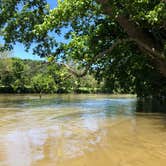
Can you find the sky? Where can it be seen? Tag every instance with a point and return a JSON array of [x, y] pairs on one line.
[[19, 50]]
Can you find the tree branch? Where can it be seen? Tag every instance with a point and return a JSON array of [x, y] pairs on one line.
[[143, 40], [100, 55]]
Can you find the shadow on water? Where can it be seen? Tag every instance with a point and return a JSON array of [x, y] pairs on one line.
[[151, 106]]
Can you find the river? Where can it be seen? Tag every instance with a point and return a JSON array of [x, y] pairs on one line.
[[79, 130]]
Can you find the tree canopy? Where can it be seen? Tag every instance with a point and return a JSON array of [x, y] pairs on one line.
[[122, 41]]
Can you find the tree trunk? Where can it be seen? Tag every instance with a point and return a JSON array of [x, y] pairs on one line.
[[143, 40]]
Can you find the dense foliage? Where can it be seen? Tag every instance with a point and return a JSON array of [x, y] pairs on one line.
[[28, 76], [122, 42]]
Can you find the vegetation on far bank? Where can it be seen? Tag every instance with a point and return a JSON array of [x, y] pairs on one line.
[[29, 76]]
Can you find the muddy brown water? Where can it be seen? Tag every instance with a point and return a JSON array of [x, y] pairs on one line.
[[79, 130]]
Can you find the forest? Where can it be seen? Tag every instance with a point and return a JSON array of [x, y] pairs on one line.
[[34, 76], [30, 76]]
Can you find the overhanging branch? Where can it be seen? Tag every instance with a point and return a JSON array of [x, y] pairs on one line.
[[144, 41], [100, 55]]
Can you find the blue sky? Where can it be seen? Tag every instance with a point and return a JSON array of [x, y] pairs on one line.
[[19, 50]]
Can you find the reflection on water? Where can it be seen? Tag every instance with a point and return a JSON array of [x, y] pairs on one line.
[[151, 105], [79, 130]]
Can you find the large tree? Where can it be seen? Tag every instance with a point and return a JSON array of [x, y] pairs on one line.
[[111, 23], [144, 21], [98, 33]]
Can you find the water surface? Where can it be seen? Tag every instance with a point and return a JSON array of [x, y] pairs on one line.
[[79, 130]]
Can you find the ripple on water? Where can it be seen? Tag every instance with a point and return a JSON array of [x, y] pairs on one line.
[[87, 131]]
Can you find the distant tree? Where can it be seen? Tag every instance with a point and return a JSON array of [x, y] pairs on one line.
[[43, 84], [6, 76], [19, 77]]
